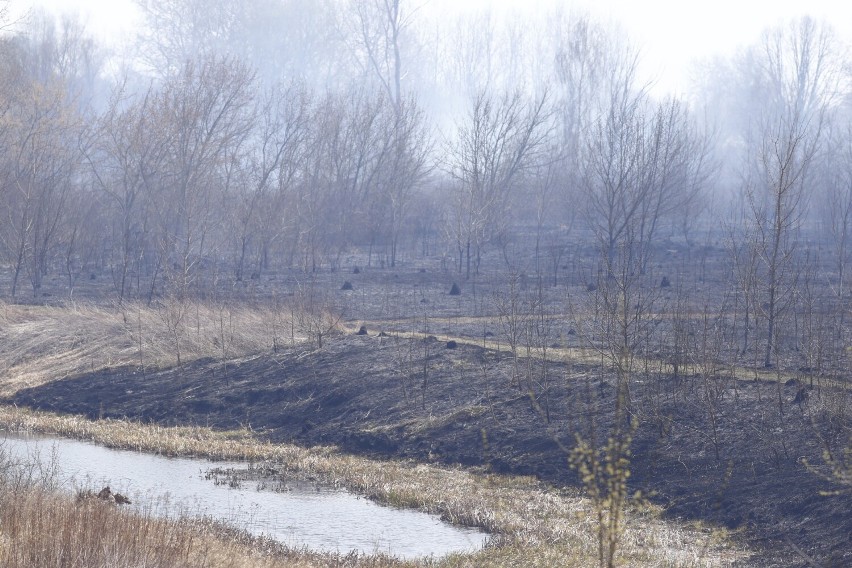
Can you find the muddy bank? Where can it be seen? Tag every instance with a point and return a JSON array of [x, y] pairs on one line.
[[417, 398]]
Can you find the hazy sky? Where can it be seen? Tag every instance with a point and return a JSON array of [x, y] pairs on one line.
[[674, 33], [671, 33]]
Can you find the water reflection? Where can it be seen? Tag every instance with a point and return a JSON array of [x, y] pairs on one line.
[[307, 514]]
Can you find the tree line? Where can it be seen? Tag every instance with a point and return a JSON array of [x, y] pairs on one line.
[[225, 147]]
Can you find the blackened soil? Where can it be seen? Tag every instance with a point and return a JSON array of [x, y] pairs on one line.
[[416, 398]]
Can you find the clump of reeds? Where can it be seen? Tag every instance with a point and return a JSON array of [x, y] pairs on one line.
[[42, 528]]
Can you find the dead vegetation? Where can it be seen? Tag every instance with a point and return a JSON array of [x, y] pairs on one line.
[[42, 529], [46, 343], [534, 524]]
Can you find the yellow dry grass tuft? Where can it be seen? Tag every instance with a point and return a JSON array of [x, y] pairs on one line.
[[42, 529]]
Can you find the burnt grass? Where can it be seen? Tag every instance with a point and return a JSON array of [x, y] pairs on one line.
[[394, 397], [728, 452]]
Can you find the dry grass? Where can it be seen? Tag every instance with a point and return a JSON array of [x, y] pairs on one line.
[[45, 343], [534, 525], [43, 529]]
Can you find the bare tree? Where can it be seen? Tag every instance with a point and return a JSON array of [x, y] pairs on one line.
[[483, 50], [407, 163], [126, 155], [546, 179], [332, 197], [744, 256], [494, 147], [470, 52], [282, 39], [615, 322], [178, 32], [797, 74], [585, 53], [380, 27], [39, 166], [207, 109], [48, 75], [265, 166], [641, 165], [836, 176], [80, 234]]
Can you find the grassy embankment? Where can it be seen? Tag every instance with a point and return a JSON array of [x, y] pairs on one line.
[[534, 525], [39, 344]]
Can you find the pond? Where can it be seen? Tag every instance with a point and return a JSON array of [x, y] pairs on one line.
[[303, 515]]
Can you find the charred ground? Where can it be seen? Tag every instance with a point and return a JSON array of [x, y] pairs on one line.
[[414, 397], [728, 445]]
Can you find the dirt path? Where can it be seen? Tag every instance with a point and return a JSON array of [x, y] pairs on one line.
[[589, 356]]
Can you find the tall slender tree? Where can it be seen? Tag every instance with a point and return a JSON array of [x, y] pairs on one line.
[[796, 71]]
